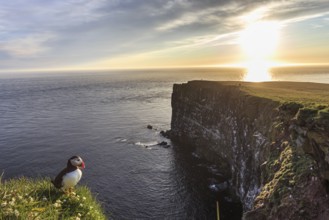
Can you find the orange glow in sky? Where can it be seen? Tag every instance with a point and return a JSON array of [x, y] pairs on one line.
[[156, 34]]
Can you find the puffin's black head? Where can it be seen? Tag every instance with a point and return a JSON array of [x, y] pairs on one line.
[[76, 161]]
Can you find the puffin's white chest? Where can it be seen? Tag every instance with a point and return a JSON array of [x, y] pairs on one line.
[[71, 179]]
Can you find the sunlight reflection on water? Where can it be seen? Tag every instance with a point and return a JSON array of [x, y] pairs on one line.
[[257, 72]]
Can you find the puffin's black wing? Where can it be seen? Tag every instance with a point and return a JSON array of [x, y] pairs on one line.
[[59, 178]]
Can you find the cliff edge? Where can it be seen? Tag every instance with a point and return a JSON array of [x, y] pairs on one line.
[[26, 199], [270, 139]]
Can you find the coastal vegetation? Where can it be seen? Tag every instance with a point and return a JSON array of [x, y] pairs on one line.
[[313, 95], [307, 101], [286, 172], [28, 199]]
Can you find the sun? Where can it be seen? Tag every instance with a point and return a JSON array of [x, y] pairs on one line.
[[259, 41]]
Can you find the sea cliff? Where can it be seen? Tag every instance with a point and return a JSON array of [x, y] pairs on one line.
[[271, 141]]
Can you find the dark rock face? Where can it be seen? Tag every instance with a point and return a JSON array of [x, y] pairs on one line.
[[163, 144], [275, 163]]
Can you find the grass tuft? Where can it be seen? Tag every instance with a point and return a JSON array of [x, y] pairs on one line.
[[31, 199]]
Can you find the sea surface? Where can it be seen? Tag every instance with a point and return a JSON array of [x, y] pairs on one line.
[[45, 118]]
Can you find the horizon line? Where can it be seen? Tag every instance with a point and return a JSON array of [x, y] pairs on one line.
[[233, 66]]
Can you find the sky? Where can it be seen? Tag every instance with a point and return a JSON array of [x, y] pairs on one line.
[[106, 34]]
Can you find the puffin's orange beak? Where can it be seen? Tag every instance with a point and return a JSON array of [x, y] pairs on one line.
[[83, 165]]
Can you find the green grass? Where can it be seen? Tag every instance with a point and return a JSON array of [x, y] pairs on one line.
[[307, 94], [32, 199], [284, 170], [308, 101]]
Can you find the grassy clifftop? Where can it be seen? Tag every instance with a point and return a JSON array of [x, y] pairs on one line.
[[305, 93], [27, 199], [308, 101], [300, 92]]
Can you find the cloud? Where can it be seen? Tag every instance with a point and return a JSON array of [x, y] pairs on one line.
[[26, 46], [77, 31], [296, 11], [224, 12], [189, 18]]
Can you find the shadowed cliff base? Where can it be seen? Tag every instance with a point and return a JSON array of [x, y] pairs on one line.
[[270, 139]]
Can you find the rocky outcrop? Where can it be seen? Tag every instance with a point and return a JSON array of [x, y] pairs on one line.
[[275, 154]]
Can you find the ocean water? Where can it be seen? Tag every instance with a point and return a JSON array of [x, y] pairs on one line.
[[45, 118]]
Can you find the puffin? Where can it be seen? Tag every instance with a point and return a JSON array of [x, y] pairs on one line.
[[71, 175]]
